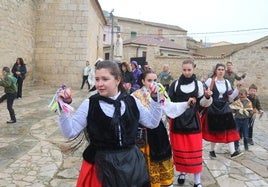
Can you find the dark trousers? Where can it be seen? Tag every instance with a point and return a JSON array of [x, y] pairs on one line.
[[19, 84], [83, 82], [250, 127], [10, 100], [242, 127]]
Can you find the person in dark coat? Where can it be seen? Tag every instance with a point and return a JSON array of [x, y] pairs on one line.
[[19, 71]]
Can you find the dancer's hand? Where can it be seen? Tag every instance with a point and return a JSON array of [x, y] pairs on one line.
[[65, 95], [191, 101], [208, 93]]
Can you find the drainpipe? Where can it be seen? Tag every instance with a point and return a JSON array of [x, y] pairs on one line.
[[112, 37], [137, 51]]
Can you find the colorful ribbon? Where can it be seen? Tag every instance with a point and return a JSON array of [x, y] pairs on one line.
[[58, 105]]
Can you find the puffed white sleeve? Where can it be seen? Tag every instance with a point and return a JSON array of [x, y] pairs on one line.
[[234, 93], [208, 82], [174, 109], [151, 117], [72, 125], [204, 102]]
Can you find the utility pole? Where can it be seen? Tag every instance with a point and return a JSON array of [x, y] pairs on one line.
[[112, 36]]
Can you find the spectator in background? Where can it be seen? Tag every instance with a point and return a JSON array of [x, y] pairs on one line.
[[91, 76], [86, 72], [19, 71], [252, 96], [136, 73], [165, 77], [9, 83], [128, 77], [242, 108], [231, 76], [146, 67]]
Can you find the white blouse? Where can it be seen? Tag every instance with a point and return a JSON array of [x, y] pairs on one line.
[[175, 109], [220, 84], [72, 125]]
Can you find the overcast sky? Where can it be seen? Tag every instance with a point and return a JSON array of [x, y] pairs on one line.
[[247, 19]]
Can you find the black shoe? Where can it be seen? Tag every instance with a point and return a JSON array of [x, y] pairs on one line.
[[181, 179], [11, 121], [212, 154], [250, 141], [236, 154], [237, 149], [198, 185]]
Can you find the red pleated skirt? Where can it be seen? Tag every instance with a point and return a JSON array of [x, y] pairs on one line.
[[187, 151], [226, 136], [87, 176]]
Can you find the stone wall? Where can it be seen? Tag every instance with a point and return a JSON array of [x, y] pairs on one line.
[[254, 61], [65, 38], [54, 37], [17, 33]]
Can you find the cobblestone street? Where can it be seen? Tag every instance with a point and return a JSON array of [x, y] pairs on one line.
[[33, 151]]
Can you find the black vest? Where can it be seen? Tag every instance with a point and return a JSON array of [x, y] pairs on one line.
[[216, 93], [104, 136], [176, 95]]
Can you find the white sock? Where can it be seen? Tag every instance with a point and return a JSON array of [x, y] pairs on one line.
[[212, 146], [183, 175], [197, 178], [231, 147]]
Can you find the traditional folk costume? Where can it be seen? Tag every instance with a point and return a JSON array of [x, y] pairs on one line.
[[112, 158], [156, 148], [219, 125], [187, 146]]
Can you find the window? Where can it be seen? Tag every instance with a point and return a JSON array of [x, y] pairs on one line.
[[143, 53], [104, 37], [133, 34], [107, 56]]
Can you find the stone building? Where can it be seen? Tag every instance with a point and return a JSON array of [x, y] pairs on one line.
[[251, 58], [54, 38], [131, 29]]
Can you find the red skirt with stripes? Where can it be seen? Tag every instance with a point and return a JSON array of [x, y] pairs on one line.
[[187, 151]]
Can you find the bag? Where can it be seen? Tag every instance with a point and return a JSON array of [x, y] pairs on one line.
[[187, 122]]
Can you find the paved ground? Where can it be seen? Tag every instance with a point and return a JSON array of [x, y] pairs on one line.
[[33, 152]]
